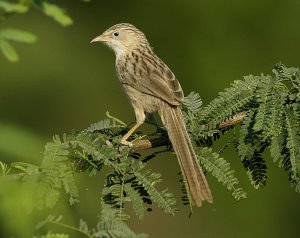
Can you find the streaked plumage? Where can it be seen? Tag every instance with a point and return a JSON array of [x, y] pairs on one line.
[[152, 87]]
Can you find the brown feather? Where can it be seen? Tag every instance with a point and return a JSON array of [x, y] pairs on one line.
[[196, 184]]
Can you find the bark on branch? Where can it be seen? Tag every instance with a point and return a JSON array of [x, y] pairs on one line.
[[140, 145], [236, 119]]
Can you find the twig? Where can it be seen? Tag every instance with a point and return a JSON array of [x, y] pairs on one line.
[[236, 119], [140, 145], [115, 119]]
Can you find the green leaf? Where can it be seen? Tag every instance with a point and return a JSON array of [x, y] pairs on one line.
[[17, 35], [49, 219], [136, 199], [8, 51], [103, 124], [230, 101], [163, 199], [13, 7], [193, 102], [277, 147], [56, 172], [293, 145], [264, 96], [54, 235], [56, 13], [221, 170], [250, 150], [111, 226]]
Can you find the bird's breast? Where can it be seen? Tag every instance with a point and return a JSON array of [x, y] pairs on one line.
[[127, 70]]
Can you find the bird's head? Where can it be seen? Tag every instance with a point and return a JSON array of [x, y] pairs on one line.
[[122, 38]]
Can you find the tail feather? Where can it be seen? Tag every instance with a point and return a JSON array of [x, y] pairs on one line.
[[196, 184]]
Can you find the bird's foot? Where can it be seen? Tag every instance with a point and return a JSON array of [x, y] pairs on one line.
[[127, 143], [138, 138], [130, 143]]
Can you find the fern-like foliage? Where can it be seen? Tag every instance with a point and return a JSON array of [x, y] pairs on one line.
[[111, 226], [292, 162], [232, 100], [271, 105], [9, 8], [55, 172], [92, 149], [193, 102], [249, 150], [131, 182], [221, 170], [52, 235], [108, 226]]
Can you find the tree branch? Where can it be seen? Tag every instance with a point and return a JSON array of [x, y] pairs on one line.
[[236, 119], [140, 145]]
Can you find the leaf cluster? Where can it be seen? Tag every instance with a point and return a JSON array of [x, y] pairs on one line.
[[9, 8], [109, 225], [271, 106], [129, 181]]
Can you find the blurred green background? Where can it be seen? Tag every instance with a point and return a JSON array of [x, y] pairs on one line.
[[62, 82]]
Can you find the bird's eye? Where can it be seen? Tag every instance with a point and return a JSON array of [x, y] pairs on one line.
[[116, 34]]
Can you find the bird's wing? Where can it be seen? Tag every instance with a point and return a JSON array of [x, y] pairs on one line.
[[162, 84], [154, 78]]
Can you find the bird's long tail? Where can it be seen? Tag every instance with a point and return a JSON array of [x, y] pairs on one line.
[[195, 181]]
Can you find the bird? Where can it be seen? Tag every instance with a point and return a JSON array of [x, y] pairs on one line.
[[152, 87]]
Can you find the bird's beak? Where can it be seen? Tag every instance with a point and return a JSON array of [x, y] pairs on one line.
[[100, 38]]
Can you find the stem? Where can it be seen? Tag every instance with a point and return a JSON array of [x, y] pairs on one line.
[[121, 196], [71, 228], [236, 119], [115, 119], [83, 157]]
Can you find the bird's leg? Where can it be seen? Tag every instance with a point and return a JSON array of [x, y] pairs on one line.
[[128, 134], [139, 116]]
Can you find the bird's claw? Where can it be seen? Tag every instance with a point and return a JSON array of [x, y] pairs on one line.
[[127, 143]]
